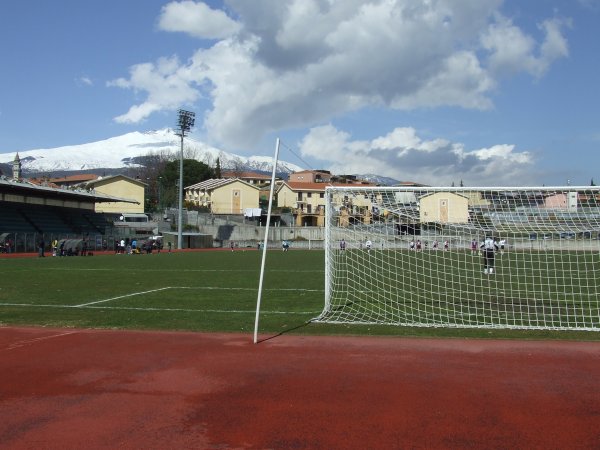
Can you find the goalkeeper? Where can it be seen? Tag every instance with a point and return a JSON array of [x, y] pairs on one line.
[[489, 247]]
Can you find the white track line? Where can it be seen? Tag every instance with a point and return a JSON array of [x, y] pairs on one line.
[[23, 343]]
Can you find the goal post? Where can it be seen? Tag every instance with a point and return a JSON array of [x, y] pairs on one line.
[[508, 257]]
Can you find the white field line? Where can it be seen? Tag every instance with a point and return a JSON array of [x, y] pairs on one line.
[[130, 308], [186, 287], [177, 270], [121, 296], [89, 305]]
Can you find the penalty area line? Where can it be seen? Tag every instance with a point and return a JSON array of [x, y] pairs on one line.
[[121, 296], [187, 310], [133, 294]]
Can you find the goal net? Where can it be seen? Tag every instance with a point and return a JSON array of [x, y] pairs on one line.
[[525, 258]]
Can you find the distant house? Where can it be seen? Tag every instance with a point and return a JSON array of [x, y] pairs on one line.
[[444, 207], [247, 176], [119, 186], [561, 200], [285, 197], [310, 176], [223, 196], [72, 180]]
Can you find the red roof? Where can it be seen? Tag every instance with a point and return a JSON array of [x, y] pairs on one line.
[[304, 186], [74, 178], [235, 174]]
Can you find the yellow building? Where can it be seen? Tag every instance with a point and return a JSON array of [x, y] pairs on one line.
[[223, 196], [309, 203], [119, 186], [285, 197], [444, 207]]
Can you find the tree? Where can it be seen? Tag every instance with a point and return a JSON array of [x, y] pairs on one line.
[[149, 171], [592, 183], [218, 168], [193, 172]]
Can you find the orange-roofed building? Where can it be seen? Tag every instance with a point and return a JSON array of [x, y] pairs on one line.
[[72, 180], [247, 176]]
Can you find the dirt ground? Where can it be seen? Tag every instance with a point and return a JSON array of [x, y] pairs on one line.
[[93, 389]]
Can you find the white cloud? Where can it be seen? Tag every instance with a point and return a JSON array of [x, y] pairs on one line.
[[197, 19], [403, 155], [87, 81], [300, 63], [592, 5], [167, 84], [512, 50]]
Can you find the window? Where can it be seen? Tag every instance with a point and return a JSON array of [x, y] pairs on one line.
[[299, 196]]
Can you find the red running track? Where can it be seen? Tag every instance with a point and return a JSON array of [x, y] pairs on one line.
[[74, 389]]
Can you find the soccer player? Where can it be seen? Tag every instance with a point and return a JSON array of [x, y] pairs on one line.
[[418, 245], [411, 246], [473, 246], [368, 244], [434, 246], [446, 246], [342, 245], [502, 245], [489, 246]]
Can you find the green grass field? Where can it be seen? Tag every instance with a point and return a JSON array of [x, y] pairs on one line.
[[196, 291], [557, 289]]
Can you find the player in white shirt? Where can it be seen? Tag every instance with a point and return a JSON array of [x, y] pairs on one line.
[[368, 244], [489, 247], [502, 245]]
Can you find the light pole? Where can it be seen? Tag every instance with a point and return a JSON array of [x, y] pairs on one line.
[[185, 123]]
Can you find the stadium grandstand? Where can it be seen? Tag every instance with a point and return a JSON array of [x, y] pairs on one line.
[[34, 210]]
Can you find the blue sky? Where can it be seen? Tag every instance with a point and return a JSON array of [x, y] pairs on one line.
[[490, 92]]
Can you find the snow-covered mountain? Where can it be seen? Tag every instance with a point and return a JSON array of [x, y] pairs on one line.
[[378, 179], [126, 150]]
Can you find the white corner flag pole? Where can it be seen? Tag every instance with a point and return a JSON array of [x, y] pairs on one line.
[[264, 254]]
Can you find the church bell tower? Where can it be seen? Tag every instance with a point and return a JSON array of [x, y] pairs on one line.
[[17, 168]]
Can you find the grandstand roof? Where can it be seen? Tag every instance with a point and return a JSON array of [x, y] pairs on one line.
[[24, 187]]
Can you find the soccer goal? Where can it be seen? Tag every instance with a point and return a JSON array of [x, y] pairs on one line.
[[523, 258]]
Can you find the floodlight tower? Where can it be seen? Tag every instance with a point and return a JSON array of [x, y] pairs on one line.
[[184, 125]]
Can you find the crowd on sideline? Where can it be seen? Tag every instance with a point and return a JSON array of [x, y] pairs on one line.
[[132, 246]]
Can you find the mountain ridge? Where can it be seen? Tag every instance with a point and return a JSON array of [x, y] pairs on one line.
[[120, 153]]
